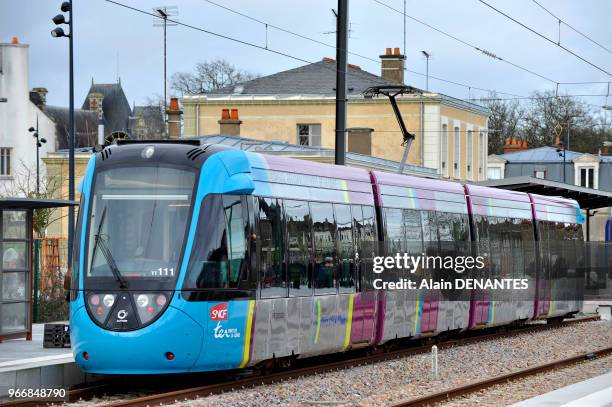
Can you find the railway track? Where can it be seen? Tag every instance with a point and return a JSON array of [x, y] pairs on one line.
[[447, 395], [351, 359]]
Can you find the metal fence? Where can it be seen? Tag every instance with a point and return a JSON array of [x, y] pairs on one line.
[[50, 267]]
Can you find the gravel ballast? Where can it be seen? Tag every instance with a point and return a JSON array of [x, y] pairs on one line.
[[389, 382]]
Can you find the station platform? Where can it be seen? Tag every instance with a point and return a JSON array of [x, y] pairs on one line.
[[26, 364], [594, 392]]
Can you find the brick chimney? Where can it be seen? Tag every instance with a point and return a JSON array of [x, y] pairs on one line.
[[512, 145], [393, 65], [174, 119], [230, 123], [38, 96]]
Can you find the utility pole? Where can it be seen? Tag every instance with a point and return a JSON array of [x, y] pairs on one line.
[[341, 67]]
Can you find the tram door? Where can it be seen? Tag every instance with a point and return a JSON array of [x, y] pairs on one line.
[[364, 305]]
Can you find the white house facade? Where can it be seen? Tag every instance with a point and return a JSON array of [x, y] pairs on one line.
[[17, 115]]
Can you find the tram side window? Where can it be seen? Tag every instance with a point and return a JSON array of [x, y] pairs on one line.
[[345, 248], [299, 247], [218, 255], [323, 230], [495, 226], [394, 230], [414, 231], [524, 248], [271, 239], [430, 232], [76, 256], [368, 245]]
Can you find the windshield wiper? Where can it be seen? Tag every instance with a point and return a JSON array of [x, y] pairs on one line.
[[106, 253]]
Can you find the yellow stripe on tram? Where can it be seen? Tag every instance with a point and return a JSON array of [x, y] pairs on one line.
[[247, 335], [349, 322], [316, 338], [345, 192]]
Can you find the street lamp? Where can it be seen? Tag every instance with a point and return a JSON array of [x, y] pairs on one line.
[[427, 55], [561, 151], [39, 142], [58, 32]]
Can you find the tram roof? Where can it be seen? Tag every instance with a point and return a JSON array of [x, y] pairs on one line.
[[587, 198]]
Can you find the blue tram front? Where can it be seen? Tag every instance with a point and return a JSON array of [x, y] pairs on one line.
[[136, 226]]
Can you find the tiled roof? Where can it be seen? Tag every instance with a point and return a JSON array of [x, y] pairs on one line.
[[540, 154], [86, 126], [318, 78], [117, 111]]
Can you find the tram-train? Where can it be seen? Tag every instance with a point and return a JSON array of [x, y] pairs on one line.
[[200, 257]]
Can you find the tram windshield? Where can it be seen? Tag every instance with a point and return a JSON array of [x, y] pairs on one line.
[[138, 220]]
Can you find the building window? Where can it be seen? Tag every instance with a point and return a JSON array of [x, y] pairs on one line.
[[457, 147], [468, 166], [494, 173], [540, 174], [444, 151], [586, 177], [5, 161], [309, 135]]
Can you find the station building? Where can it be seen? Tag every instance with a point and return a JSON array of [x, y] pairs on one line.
[[297, 106]]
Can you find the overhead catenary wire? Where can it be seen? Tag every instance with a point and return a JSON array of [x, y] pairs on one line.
[[302, 36], [537, 97], [573, 28], [544, 37], [300, 59], [466, 43]]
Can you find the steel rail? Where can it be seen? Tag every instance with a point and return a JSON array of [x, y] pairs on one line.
[[453, 393]]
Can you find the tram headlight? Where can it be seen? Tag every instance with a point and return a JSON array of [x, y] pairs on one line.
[[148, 152], [108, 300], [142, 300]]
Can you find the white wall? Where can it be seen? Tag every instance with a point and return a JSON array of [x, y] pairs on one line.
[[18, 114]]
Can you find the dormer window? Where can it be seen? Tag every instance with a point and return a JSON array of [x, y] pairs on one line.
[[587, 177]]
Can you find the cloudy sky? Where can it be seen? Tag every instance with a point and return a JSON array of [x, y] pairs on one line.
[[112, 41]]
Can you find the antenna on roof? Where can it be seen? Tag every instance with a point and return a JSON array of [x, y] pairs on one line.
[[117, 77], [350, 26], [164, 13]]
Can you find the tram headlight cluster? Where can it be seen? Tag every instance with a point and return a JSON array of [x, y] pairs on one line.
[[149, 306], [100, 305]]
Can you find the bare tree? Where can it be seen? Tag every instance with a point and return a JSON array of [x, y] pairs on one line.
[[504, 121], [548, 114], [148, 122], [24, 186], [208, 76]]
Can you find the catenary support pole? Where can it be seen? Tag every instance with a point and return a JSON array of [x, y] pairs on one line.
[[341, 67]]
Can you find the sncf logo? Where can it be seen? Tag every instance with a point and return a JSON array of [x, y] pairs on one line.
[[219, 312]]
